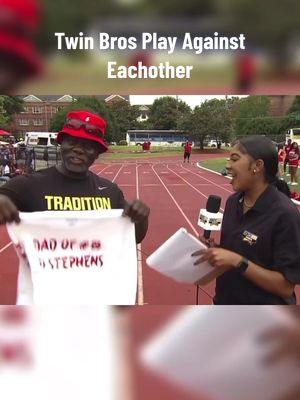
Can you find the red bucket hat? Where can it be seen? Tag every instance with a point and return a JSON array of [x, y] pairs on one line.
[[85, 125]]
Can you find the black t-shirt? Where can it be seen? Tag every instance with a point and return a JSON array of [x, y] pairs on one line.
[[269, 236], [48, 189]]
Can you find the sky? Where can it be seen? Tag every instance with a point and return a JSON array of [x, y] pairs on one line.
[[191, 100]]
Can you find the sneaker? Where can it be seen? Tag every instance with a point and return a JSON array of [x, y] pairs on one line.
[[288, 174], [294, 183]]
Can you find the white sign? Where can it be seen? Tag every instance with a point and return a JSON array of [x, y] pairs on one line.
[[85, 257]]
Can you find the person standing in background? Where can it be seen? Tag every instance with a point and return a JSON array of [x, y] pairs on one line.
[[281, 158], [246, 71], [145, 146], [187, 152], [287, 149], [294, 157]]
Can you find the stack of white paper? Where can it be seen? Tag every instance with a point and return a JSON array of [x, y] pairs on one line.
[[173, 258]]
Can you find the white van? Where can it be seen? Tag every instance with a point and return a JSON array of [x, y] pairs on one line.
[[46, 139], [212, 143], [43, 145]]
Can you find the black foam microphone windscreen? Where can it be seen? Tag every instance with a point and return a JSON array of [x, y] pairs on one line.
[[213, 203], [213, 206]]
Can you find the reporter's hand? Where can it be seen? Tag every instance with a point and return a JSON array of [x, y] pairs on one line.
[[137, 211], [285, 343], [8, 211], [217, 257]]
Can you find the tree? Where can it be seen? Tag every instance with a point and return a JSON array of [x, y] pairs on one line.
[[295, 107], [3, 115], [126, 117], [285, 123], [249, 113], [166, 112], [9, 105], [259, 126], [13, 105], [212, 118], [251, 118], [92, 104]]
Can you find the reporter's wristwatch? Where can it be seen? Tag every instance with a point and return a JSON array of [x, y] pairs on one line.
[[243, 265]]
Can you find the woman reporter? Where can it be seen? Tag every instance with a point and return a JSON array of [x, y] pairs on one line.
[[258, 260]]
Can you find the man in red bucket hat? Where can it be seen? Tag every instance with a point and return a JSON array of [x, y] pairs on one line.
[[71, 185]]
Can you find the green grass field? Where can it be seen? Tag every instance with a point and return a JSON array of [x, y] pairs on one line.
[[119, 152], [218, 164], [122, 152]]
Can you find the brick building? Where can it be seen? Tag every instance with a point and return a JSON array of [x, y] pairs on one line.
[[280, 105], [38, 111]]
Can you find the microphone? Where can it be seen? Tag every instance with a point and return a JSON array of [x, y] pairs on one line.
[[210, 219]]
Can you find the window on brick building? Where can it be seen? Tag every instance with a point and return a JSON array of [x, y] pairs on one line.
[[37, 110], [38, 122], [24, 122]]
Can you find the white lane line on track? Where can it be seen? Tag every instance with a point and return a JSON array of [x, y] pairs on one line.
[[140, 293], [177, 205], [193, 187], [201, 184], [100, 172], [208, 180], [126, 184], [5, 247], [115, 177]]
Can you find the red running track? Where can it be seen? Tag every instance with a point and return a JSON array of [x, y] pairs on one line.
[[175, 193]]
